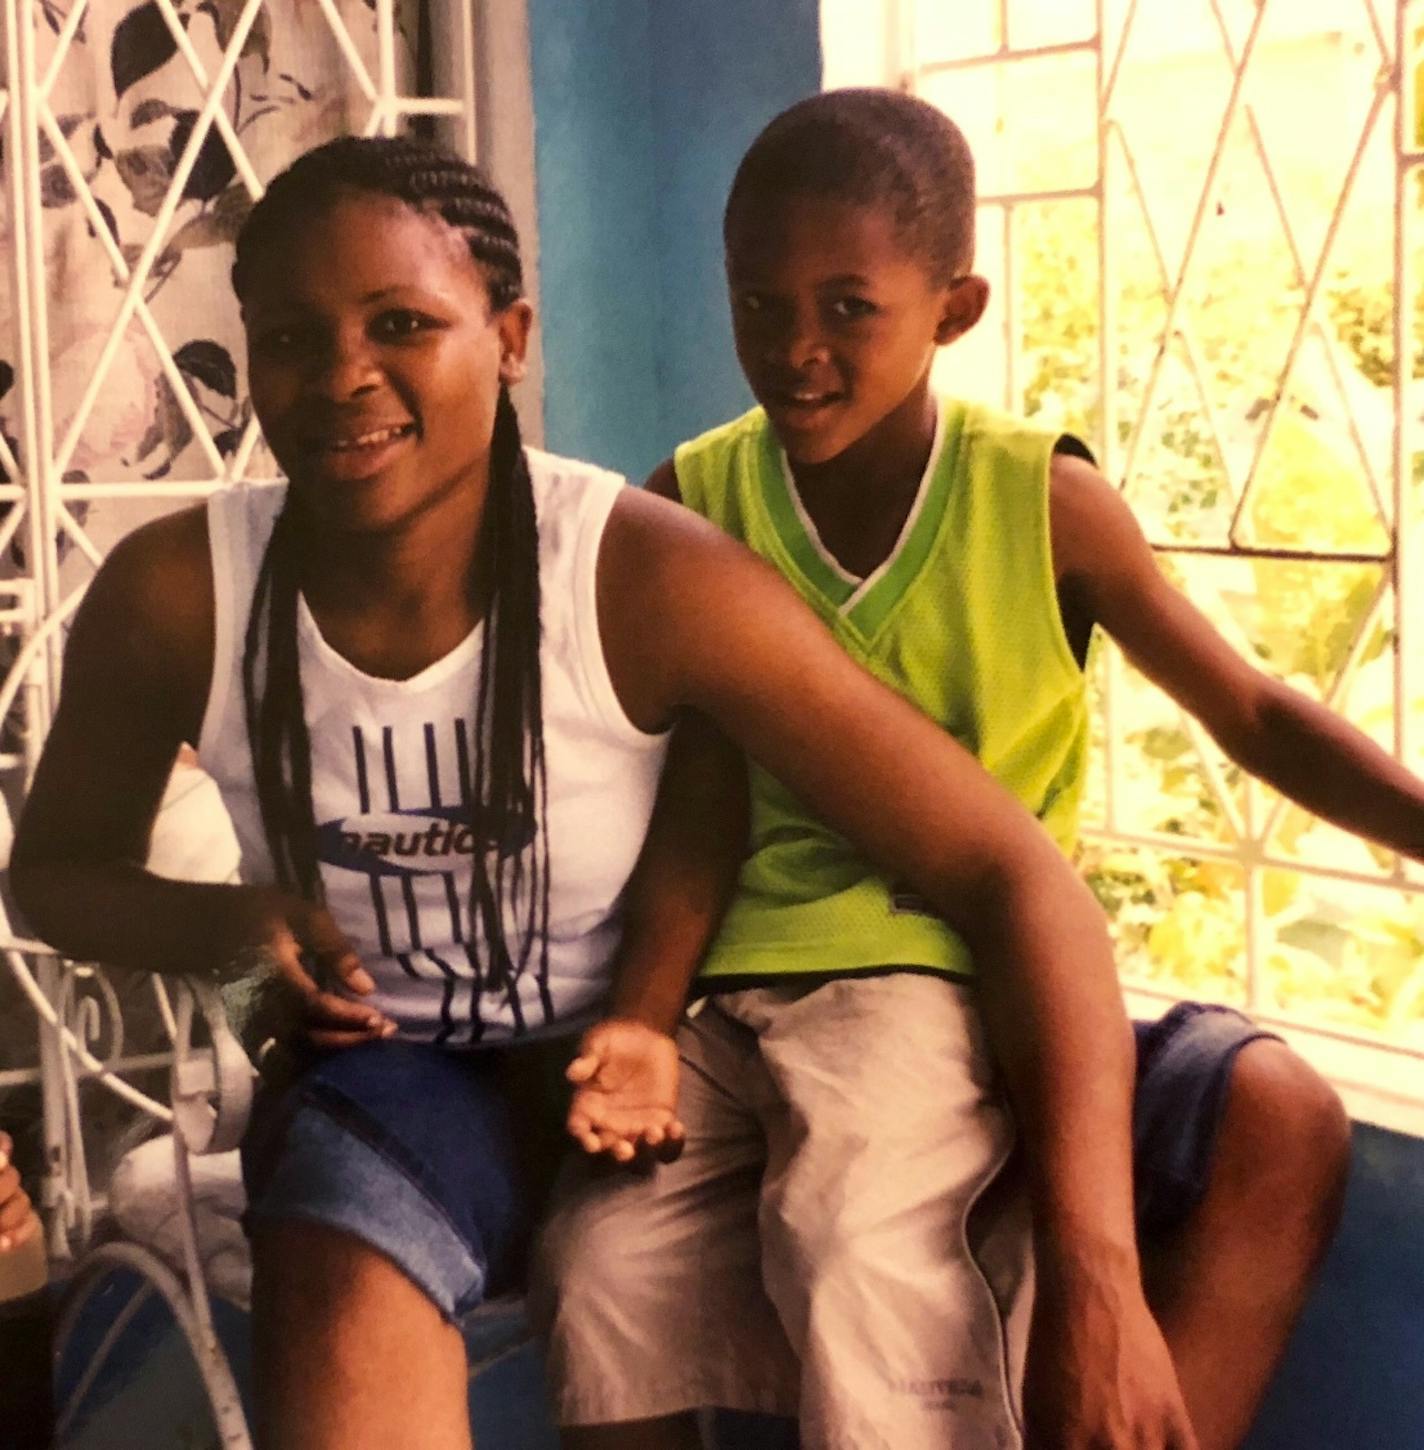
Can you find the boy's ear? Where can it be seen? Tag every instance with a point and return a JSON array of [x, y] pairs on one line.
[[964, 305], [513, 325]]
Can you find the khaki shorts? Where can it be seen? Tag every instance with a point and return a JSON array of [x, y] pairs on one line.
[[811, 1253]]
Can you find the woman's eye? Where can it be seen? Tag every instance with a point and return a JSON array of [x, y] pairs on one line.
[[281, 341]]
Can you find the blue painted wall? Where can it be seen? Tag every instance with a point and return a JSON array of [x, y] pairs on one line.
[[642, 109], [598, 278], [1353, 1378]]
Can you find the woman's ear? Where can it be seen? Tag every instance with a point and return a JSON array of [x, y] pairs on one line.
[[965, 300], [513, 325]]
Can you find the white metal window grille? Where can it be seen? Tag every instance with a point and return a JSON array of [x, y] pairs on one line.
[[1201, 221], [135, 135]]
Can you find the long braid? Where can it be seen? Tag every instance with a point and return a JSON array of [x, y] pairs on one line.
[[276, 718], [507, 791]]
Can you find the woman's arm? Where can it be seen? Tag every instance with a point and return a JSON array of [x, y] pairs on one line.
[[689, 618], [137, 668], [19, 1222]]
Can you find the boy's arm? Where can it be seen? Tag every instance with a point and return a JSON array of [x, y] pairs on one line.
[[626, 1070], [686, 873], [1299, 746]]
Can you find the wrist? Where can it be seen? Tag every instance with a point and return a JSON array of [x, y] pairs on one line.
[[661, 1011], [244, 919], [643, 1017], [1085, 1255]]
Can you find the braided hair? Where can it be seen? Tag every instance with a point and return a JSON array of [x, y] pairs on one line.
[[877, 148], [506, 787]]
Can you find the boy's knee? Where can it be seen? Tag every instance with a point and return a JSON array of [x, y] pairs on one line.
[[1285, 1125]]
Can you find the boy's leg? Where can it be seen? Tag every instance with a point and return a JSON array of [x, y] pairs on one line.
[[1228, 1277], [885, 1132], [646, 1285]]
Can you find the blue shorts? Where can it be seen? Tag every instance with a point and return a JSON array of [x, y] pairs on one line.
[[437, 1159], [440, 1160], [1183, 1071]]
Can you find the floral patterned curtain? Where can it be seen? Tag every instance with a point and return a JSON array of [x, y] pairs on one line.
[[127, 95]]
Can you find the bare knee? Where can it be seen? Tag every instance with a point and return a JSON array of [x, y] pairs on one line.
[[325, 1270], [1285, 1136]]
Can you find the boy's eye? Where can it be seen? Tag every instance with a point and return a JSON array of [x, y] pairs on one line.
[[399, 323], [850, 309]]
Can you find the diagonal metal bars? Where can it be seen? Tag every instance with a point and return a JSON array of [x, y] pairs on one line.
[[1389, 51]]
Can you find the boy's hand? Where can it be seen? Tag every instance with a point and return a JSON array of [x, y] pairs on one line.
[[626, 1095], [1099, 1375], [19, 1222]]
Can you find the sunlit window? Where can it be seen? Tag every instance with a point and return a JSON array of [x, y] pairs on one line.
[[1201, 222]]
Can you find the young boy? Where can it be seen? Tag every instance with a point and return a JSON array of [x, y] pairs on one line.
[[813, 1252]]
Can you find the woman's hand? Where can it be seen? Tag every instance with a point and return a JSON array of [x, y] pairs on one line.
[[1099, 1375], [309, 972], [625, 1102]]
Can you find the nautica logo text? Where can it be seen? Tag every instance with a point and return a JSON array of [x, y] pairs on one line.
[[403, 842]]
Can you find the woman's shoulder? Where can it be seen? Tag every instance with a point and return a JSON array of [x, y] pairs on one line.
[[154, 591], [163, 566], [570, 477], [146, 623]]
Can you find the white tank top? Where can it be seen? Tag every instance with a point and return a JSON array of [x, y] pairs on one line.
[[390, 767]]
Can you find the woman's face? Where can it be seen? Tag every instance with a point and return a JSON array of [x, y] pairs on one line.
[[374, 361]]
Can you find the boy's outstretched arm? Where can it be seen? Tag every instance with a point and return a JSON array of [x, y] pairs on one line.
[[627, 1067], [686, 873], [1107, 568], [690, 618]]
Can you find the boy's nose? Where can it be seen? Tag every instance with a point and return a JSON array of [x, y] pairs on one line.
[[800, 346]]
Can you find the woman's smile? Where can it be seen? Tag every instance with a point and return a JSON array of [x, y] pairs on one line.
[[358, 452]]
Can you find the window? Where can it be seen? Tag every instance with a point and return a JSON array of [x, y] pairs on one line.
[[1202, 223]]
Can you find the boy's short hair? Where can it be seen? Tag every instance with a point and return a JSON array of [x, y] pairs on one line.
[[878, 148]]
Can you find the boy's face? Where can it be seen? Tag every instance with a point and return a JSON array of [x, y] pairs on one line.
[[836, 322]]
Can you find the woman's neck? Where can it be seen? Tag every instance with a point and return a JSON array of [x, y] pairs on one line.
[[394, 601]]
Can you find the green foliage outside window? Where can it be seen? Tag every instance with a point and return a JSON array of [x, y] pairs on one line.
[[1333, 950]]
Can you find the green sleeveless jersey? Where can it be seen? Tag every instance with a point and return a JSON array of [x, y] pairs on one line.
[[962, 619]]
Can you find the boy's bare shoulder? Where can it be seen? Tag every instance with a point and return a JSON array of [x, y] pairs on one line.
[[662, 481], [1091, 524]]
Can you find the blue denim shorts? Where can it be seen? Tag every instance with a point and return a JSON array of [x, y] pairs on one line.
[[1184, 1065], [437, 1159], [440, 1160]]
